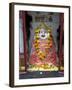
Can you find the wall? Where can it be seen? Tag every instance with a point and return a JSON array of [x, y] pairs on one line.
[[4, 44]]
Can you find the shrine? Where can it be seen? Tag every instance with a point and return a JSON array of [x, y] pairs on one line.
[[41, 44]]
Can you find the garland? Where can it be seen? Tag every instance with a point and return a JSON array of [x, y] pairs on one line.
[[42, 55]]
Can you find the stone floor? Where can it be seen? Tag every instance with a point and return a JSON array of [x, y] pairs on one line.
[[41, 74]]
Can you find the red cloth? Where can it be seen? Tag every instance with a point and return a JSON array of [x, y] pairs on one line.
[[51, 56]]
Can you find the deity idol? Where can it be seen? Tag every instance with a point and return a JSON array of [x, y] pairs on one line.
[[43, 56]]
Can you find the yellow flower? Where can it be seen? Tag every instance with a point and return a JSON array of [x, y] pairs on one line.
[[36, 36]]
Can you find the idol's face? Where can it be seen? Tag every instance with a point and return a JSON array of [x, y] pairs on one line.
[[43, 34]]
